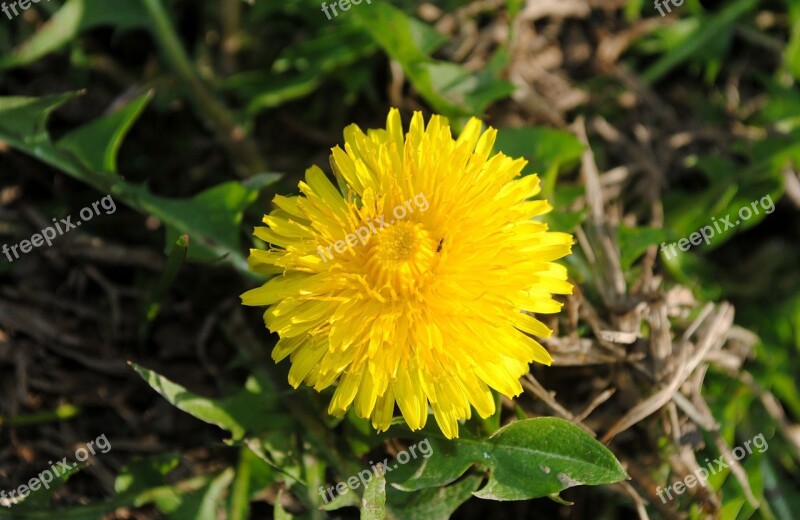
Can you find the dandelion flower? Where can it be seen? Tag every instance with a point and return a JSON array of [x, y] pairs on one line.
[[414, 282]]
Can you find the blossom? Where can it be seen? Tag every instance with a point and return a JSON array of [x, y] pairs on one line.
[[432, 310]]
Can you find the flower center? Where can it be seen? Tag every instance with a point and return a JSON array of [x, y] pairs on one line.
[[399, 258]]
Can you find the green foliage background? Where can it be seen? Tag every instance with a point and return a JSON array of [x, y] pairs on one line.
[[143, 135]]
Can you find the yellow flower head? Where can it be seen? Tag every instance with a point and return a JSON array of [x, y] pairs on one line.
[[414, 283]]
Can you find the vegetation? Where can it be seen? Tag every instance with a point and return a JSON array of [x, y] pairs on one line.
[[651, 134]]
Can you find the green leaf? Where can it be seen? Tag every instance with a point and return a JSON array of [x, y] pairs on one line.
[[431, 504], [282, 89], [240, 491], [96, 144], [252, 409], [276, 448], [62, 412], [564, 221], [301, 69], [359, 434], [211, 218], [491, 424], [146, 473], [528, 459], [373, 504], [174, 263], [544, 148], [791, 54], [324, 52], [25, 118], [73, 18], [167, 498], [449, 88], [633, 242], [782, 107], [42, 497], [731, 189], [705, 34], [347, 499], [633, 9], [425, 37], [471, 91], [206, 503], [514, 7]]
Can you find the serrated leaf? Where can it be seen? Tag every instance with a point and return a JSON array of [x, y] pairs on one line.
[[218, 211], [96, 144], [211, 218], [527, 459], [25, 118]]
